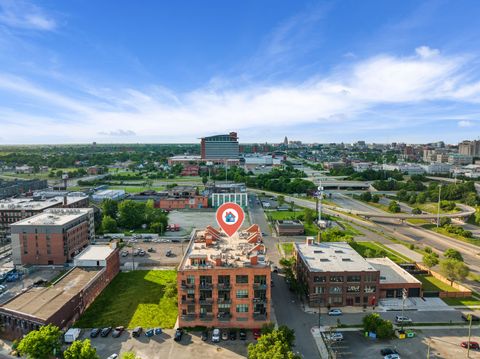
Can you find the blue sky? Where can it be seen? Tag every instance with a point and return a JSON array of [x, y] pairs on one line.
[[318, 71]]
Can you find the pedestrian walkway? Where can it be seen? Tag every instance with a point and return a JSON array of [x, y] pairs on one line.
[[321, 346], [400, 248]]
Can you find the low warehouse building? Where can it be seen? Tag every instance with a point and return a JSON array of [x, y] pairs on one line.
[[289, 228]]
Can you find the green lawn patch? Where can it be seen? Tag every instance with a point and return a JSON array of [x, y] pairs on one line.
[[383, 207], [138, 298], [417, 221], [376, 250], [443, 231], [432, 207], [467, 302], [432, 284], [287, 248]]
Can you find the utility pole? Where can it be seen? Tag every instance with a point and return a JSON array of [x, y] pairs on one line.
[[320, 195], [428, 349], [226, 171], [469, 335], [438, 209], [404, 296]]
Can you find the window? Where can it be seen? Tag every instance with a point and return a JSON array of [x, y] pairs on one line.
[[335, 290], [224, 280], [336, 278], [353, 289], [370, 277], [319, 290], [354, 278], [242, 279], [260, 279], [357, 300], [242, 308], [242, 293], [370, 289], [337, 300], [190, 279], [224, 306], [321, 279]]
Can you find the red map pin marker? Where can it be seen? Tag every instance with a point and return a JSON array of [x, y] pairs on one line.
[[230, 217]]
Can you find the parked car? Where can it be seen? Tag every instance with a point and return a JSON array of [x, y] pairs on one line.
[[178, 334], [105, 331], [141, 253], [224, 335], [149, 333], [118, 331], [216, 335], [392, 356], [256, 333], [242, 334], [334, 312], [473, 345], [124, 253], [175, 240], [113, 356], [94, 332], [233, 334], [334, 336], [151, 250], [399, 319], [169, 253], [388, 351], [205, 335], [136, 332], [158, 331], [466, 318]]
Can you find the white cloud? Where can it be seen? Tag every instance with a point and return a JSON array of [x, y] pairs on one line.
[[465, 123], [343, 98], [24, 15], [426, 52]]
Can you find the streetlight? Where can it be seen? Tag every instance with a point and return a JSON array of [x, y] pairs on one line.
[[438, 209]]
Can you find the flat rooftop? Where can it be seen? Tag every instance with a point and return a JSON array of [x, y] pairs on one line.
[[224, 251], [332, 257], [43, 302], [54, 217], [35, 205], [390, 272], [95, 252]]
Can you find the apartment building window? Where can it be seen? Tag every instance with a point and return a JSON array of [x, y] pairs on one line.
[[260, 279], [190, 279], [370, 289], [335, 290], [319, 279], [337, 300], [25, 243], [205, 280], [242, 308], [319, 290], [336, 278], [242, 293], [370, 277], [242, 279], [224, 306], [353, 289], [354, 278], [191, 293]]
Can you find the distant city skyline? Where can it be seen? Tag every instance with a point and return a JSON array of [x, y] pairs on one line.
[[318, 72]]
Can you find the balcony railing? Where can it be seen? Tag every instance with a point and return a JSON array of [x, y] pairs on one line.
[[224, 317], [259, 285], [259, 316], [224, 301], [206, 317], [259, 300], [205, 300], [185, 286], [206, 286], [188, 300], [189, 317], [224, 286]]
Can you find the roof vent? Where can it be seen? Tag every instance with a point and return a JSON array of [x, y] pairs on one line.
[[338, 251], [317, 251], [324, 260], [346, 260]]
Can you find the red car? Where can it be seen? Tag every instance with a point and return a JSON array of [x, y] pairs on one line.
[[256, 333], [473, 345]]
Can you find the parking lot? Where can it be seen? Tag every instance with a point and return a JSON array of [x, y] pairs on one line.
[[444, 343], [163, 346], [154, 258]]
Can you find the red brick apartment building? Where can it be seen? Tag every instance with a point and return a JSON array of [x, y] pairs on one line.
[[52, 237], [224, 281], [63, 302]]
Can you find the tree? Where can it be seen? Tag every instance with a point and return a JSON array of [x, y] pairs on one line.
[[129, 355], [80, 350], [374, 323], [131, 214], [274, 345], [43, 343], [110, 208], [445, 221], [375, 198], [451, 253], [109, 225], [430, 259], [394, 207], [280, 200], [366, 196], [416, 210], [309, 215], [454, 270], [204, 180]]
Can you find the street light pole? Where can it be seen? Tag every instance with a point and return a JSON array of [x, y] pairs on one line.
[[469, 335], [438, 209]]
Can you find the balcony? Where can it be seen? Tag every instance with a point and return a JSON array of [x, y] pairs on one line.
[[206, 317], [189, 317], [188, 300], [224, 286], [206, 286], [224, 300], [224, 317], [259, 316], [259, 300], [205, 300], [259, 286], [186, 286]]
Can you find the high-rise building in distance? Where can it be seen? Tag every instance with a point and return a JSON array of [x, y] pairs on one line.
[[220, 147]]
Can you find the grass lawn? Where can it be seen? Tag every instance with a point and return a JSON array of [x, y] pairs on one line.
[[138, 298], [377, 250], [467, 302], [441, 230], [417, 221], [432, 207], [287, 248], [383, 207], [432, 284]]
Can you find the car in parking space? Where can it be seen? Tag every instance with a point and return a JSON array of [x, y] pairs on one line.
[[334, 336], [149, 332], [256, 333], [94, 332], [105, 331], [136, 332], [169, 253], [224, 335], [233, 334], [204, 335], [158, 331], [401, 319], [113, 356], [466, 317], [392, 356], [473, 345], [118, 331], [216, 335], [242, 334], [388, 351], [334, 312], [178, 334]]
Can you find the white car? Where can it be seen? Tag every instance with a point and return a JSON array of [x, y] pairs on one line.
[[216, 335], [392, 356], [402, 319], [334, 336], [335, 312], [113, 356]]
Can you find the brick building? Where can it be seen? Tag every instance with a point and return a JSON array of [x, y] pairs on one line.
[[335, 275], [289, 227], [63, 302], [224, 281], [52, 237], [17, 187], [181, 197]]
